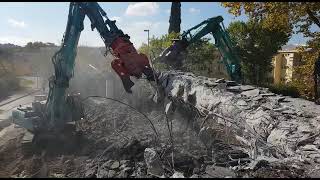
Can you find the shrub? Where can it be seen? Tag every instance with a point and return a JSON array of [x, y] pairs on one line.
[[8, 83], [202, 57], [284, 89]]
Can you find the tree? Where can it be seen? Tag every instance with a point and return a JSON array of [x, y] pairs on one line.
[[304, 82], [202, 57], [256, 46], [285, 15], [157, 45], [6, 59], [38, 45], [278, 15], [175, 18], [3, 57], [8, 80]]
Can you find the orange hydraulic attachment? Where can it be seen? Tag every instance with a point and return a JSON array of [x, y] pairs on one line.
[[128, 62]]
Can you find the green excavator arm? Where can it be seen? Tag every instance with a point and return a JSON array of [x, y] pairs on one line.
[[215, 27], [60, 107]]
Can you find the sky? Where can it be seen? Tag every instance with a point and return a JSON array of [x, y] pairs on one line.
[[22, 22]]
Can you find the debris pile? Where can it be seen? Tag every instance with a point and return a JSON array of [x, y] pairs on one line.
[[246, 122], [132, 139], [208, 128]]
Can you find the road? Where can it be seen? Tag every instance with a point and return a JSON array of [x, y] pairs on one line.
[[19, 98], [23, 97]]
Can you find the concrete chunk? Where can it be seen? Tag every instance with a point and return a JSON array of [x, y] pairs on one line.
[[153, 162], [115, 165], [219, 172], [235, 89], [247, 87], [267, 94], [177, 175], [251, 93], [222, 80], [111, 173], [242, 103]]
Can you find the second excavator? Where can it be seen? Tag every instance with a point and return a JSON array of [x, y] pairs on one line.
[[174, 54]]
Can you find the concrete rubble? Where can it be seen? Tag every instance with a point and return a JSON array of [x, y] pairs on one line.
[[251, 120], [220, 129], [153, 162]]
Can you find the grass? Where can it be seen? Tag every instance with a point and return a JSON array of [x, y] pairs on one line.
[[26, 82]]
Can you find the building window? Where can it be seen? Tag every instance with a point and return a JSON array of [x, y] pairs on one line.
[[284, 64]]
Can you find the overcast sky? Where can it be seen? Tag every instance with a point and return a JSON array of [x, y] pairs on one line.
[[22, 22]]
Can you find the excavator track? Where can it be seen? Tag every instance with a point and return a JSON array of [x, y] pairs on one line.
[[66, 141]]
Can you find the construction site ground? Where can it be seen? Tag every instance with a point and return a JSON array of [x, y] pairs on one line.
[[241, 131], [111, 132], [115, 138]]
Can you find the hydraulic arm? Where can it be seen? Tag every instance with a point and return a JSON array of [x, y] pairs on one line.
[[63, 61], [61, 108], [222, 42]]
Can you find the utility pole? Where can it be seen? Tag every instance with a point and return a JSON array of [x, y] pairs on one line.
[[37, 76], [147, 30]]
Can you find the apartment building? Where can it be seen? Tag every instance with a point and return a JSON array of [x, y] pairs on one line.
[[283, 65]]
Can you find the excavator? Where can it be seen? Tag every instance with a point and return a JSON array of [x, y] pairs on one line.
[[175, 54], [53, 119]]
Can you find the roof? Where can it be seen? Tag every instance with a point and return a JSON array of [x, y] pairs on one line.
[[293, 50], [288, 51]]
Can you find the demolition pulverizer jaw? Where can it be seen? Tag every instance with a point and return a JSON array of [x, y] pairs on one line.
[[150, 74], [128, 84]]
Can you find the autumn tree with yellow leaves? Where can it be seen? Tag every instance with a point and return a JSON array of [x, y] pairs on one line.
[[285, 16]]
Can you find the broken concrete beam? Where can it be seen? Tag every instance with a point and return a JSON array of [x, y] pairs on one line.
[[252, 119]]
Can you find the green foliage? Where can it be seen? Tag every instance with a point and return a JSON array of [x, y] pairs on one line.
[[8, 80], [256, 46], [304, 82], [281, 15], [285, 89], [38, 45], [202, 57], [8, 83], [25, 82], [157, 45]]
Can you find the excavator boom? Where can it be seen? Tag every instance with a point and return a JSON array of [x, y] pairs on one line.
[[61, 108], [212, 26]]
